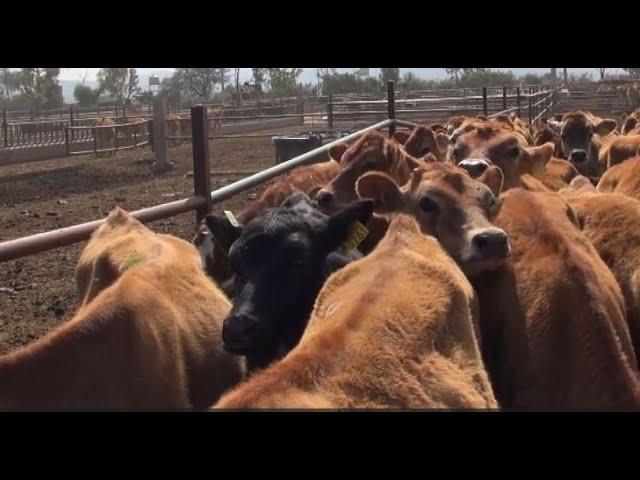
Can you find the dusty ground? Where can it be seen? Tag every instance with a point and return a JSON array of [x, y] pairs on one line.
[[38, 292]]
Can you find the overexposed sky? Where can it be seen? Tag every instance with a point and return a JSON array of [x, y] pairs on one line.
[[309, 74]]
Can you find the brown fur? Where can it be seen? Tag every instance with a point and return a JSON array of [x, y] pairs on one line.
[[423, 140], [146, 337], [622, 178], [392, 330], [610, 221], [553, 318], [491, 141], [620, 149]]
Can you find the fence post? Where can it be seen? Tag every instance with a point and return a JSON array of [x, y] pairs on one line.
[[70, 123], [201, 169], [530, 111], [391, 106], [504, 98], [4, 127], [31, 113], [66, 140], [518, 99], [485, 109], [150, 133], [161, 164], [330, 112]]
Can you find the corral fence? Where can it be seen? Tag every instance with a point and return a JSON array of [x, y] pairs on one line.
[[203, 198]]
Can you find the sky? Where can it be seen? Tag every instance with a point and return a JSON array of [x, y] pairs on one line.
[[309, 74]]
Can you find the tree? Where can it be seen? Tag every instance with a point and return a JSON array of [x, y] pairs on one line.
[[85, 95], [238, 96], [259, 75], [145, 97], [7, 84], [387, 74], [602, 70], [633, 72], [199, 82], [39, 86], [454, 73], [283, 81], [121, 83], [173, 88], [223, 73]]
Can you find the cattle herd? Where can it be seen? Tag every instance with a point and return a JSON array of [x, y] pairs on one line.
[[482, 263]]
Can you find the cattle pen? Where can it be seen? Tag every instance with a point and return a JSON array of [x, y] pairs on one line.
[[537, 104]]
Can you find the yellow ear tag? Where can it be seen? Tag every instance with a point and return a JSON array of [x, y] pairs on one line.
[[232, 218], [136, 257], [357, 233]]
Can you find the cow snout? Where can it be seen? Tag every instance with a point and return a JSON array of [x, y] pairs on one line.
[[474, 167], [238, 332], [492, 243], [325, 197], [578, 156]]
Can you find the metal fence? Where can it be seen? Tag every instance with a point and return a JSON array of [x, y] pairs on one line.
[[538, 104]]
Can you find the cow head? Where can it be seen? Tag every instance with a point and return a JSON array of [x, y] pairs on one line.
[[476, 146], [576, 130], [280, 261], [372, 151], [451, 206]]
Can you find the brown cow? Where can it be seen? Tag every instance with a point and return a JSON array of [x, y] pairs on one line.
[[105, 136], [423, 140], [396, 329], [215, 118], [216, 233], [146, 337], [633, 95], [610, 222], [372, 151], [630, 122], [554, 333], [620, 149], [449, 205], [622, 178], [479, 144], [558, 174], [582, 135]]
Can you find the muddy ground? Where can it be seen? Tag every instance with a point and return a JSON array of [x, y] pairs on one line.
[[38, 292]]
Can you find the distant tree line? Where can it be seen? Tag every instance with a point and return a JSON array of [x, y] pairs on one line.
[[39, 88]]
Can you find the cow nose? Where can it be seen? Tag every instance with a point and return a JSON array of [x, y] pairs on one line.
[[578, 156], [492, 243], [238, 331], [475, 168], [324, 198]]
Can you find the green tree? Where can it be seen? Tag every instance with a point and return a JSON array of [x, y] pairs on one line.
[[145, 97], [8, 84], [283, 81], [39, 86], [387, 74], [259, 76], [633, 72], [199, 82], [454, 73], [85, 95], [121, 83]]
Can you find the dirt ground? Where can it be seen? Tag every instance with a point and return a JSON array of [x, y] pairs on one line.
[[38, 292]]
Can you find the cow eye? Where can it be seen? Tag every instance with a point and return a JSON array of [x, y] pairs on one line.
[[494, 206], [428, 205], [513, 152]]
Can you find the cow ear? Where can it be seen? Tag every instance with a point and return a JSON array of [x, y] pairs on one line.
[[604, 126], [401, 137], [224, 233], [536, 158], [555, 125], [493, 178], [382, 189], [337, 151], [340, 225]]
